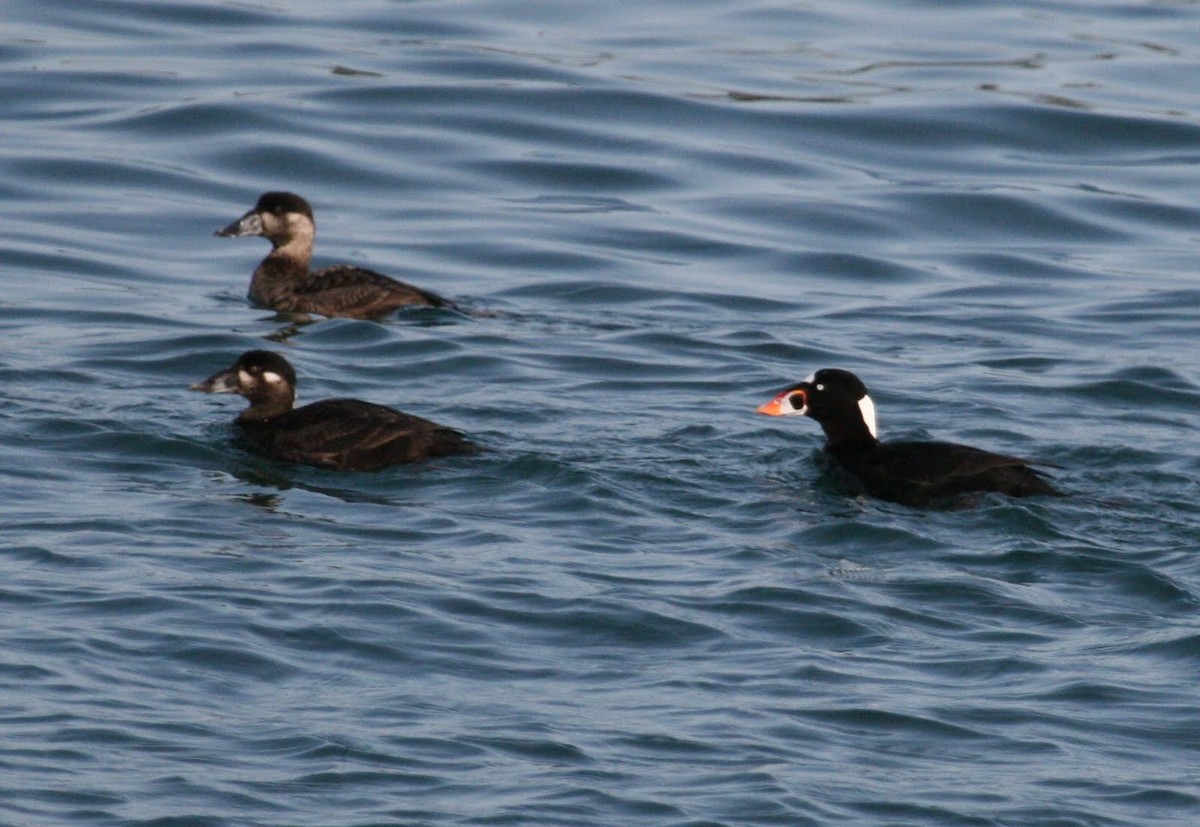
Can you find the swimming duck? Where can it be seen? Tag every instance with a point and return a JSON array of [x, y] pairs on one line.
[[909, 472], [341, 434], [282, 281]]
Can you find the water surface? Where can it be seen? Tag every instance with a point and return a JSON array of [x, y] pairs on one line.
[[645, 604]]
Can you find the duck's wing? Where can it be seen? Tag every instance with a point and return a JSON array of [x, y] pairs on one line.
[[357, 436], [346, 290], [923, 471]]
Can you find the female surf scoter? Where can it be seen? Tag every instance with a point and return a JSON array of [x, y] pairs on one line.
[[912, 473], [343, 434], [282, 281]]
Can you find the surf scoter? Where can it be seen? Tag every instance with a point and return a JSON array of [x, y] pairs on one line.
[[342, 434], [282, 280], [913, 473]]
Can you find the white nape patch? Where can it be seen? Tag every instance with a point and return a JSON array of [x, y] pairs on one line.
[[867, 408], [810, 379]]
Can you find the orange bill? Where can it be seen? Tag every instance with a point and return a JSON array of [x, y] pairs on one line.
[[780, 405]]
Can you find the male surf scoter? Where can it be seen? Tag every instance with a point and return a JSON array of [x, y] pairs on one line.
[[342, 434], [282, 280], [913, 473]]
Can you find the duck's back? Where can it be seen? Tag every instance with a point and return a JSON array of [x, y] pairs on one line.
[[352, 435], [918, 473], [342, 290], [347, 290]]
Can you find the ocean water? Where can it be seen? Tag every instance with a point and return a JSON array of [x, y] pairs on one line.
[[644, 604]]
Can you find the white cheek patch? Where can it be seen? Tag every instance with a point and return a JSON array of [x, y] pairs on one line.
[[272, 378], [867, 408], [245, 379]]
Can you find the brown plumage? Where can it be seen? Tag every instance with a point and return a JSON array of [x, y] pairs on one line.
[[283, 282], [341, 434]]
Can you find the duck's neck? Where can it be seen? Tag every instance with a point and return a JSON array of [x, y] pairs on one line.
[[278, 275], [848, 437], [263, 409], [297, 246]]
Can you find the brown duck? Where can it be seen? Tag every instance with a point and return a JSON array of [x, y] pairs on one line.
[[341, 434], [283, 282]]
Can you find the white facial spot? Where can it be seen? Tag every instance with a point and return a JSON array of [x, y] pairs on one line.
[[244, 378], [867, 408], [272, 378]]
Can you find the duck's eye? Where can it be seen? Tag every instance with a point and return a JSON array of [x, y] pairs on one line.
[[819, 387]]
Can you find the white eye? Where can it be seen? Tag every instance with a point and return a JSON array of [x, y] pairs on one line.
[[820, 387]]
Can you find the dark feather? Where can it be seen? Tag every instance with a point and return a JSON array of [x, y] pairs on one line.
[[346, 290], [352, 435], [917, 473], [282, 281], [345, 434]]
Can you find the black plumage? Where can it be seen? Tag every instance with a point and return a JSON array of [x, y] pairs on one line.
[[909, 472], [283, 282], [341, 434]]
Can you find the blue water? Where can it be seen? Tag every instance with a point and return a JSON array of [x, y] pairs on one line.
[[644, 604]]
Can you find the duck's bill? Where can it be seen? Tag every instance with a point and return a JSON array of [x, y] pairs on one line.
[[223, 382], [784, 404], [772, 408], [248, 224]]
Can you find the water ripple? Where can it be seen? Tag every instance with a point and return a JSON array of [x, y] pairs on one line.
[[642, 603]]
